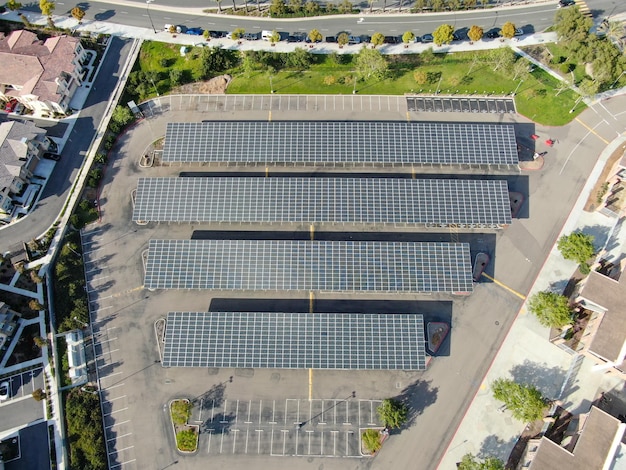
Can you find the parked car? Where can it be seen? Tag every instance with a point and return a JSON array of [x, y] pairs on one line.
[[459, 36], [195, 31], [565, 3], [298, 36], [392, 40], [519, 32], [330, 39], [252, 36], [427, 38], [354, 39], [5, 391], [493, 33], [218, 34], [52, 156]]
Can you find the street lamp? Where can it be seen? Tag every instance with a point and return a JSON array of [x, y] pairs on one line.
[[148, 2], [517, 87], [617, 80]]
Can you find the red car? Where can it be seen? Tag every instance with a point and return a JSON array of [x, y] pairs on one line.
[[10, 106]]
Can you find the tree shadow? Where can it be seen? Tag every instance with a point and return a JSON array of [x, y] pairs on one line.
[[493, 446], [548, 380], [220, 424], [418, 396], [600, 234], [212, 398]]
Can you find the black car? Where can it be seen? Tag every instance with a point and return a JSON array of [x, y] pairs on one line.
[[427, 38], [565, 3], [392, 40], [330, 39], [459, 36], [218, 34], [493, 33]]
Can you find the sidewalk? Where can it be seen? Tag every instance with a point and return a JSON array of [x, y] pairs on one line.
[[527, 356]]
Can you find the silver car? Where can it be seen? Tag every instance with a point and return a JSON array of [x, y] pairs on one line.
[[5, 391]]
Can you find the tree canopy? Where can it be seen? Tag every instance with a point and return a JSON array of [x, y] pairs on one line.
[[46, 7], [471, 462], [378, 39], [393, 413], [78, 13], [524, 401], [551, 309], [274, 37], [508, 30], [13, 5], [343, 39], [371, 64], [475, 33], [315, 35], [577, 246], [443, 34], [408, 37]]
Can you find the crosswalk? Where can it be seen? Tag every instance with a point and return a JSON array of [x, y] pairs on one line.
[[583, 7]]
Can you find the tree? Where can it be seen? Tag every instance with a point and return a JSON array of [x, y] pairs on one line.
[[475, 33], [508, 30], [311, 8], [346, 7], [13, 5], [295, 6], [40, 342], [469, 4], [572, 27], [443, 34], [524, 401], [378, 39], [219, 5], [315, 35], [437, 5], [577, 246], [502, 57], [78, 14], [38, 395], [393, 413], [342, 39], [176, 77], [551, 309], [521, 68], [470, 462], [34, 304], [238, 33], [371, 3], [122, 116], [274, 37], [278, 8], [371, 63], [299, 59], [371, 440], [614, 32], [408, 37], [46, 7]]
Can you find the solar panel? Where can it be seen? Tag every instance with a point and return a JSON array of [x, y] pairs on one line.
[[295, 341], [309, 200], [309, 266], [411, 143]]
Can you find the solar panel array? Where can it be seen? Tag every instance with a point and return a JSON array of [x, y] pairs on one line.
[[295, 341], [419, 143], [342, 200], [309, 265]]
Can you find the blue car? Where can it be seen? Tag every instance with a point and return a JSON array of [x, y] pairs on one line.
[[195, 31], [427, 38]]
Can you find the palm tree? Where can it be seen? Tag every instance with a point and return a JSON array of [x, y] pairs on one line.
[[371, 2], [219, 5], [614, 31]]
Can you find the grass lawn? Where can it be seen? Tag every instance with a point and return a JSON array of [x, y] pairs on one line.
[[460, 73]]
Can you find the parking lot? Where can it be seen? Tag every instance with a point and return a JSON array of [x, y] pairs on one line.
[[24, 384], [291, 427], [443, 104]]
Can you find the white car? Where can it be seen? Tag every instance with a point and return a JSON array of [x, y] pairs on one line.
[[5, 391]]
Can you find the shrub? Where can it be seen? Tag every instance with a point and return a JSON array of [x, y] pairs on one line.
[[329, 80], [420, 77], [180, 410], [39, 395], [371, 440], [186, 440], [601, 192]]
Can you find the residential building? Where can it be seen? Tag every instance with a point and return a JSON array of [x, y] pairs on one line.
[[605, 333], [21, 148], [593, 441], [8, 324], [42, 74]]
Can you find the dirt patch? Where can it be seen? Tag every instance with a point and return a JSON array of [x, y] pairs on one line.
[[215, 86], [592, 201]]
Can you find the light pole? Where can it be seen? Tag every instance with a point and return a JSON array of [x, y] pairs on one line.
[[439, 84], [271, 86], [517, 87], [148, 2], [617, 80]]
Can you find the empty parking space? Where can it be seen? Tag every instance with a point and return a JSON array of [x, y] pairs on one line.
[[24, 384], [292, 427], [443, 104]]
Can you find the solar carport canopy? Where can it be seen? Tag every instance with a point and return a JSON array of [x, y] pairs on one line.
[[333, 200], [320, 142], [309, 265], [295, 341]]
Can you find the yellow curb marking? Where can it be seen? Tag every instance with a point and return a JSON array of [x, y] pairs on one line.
[[592, 131], [504, 286]]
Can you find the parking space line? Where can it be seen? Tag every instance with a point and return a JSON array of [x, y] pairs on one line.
[[110, 375], [284, 431], [273, 421], [249, 411], [208, 447], [247, 435], [258, 447], [117, 424], [235, 433], [120, 450], [119, 437], [123, 463], [116, 411], [112, 387], [224, 415], [334, 434], [309, 449], [222, 442], [237, 412], [116, 398]]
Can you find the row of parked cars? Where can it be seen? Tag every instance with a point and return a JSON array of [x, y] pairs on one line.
[[460, 35]]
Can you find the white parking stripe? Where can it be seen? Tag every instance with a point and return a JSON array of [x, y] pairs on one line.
[[119, 437]]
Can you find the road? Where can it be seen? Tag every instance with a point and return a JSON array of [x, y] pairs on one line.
[[58, 187], [533, 18]]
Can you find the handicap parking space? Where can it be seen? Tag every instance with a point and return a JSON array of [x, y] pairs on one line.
[[455, 104], [291, 427]]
